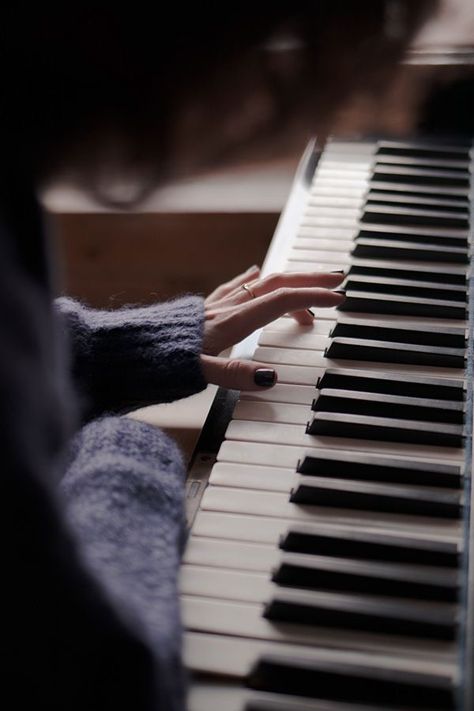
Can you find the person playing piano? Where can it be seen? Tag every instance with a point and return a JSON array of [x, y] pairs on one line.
[[92, 524]]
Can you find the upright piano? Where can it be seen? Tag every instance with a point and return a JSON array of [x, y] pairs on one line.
[[328, 564]]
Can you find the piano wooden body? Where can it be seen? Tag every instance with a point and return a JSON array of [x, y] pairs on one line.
[[328, 564]]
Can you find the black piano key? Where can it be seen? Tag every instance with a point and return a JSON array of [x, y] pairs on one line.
[[367, 545], [396, 249], [384, 579], [377, 468], [379, 382], [459, 164], [449, 274], [384, 172], [426, 237], [386, 429], [289, 702], [384, 498], [450, 337], [367, 302], [406, 287], [395, 215], [390, 352], [351, 612], [456, 150], [454, 207], [338, 681], [459, 194], [395, 406]]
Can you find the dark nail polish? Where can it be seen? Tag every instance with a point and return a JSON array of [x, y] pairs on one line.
[[264, 377], [337, 271]]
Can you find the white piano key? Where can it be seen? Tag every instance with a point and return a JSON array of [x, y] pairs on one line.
[[273, 412], [334, 220], [276, 505], [364, 148], [226, 696], [333, 236], [311, 266], [297, 356], [288, 456], [304, 340], [245, 620], [351, 163], [253, 477], [336, 179], [345, 171], [260, 478], [341, 203], [225, 584], [295, 394], [237, 527], [335, 245], [290, 326], [238, 579], [294, 435], [280, 455], [296, 375], [265, 529], [234, 657], [319, 256], [290, 356], [231, 555], [333, 212], [356, 192]]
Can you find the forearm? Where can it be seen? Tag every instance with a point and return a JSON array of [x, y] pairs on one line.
[[123, 493], [133, 357]]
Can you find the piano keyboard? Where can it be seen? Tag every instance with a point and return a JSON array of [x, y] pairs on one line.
[[323, 571]]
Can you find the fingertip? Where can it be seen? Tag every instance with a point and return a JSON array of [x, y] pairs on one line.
[[265, 377], [304, 317]]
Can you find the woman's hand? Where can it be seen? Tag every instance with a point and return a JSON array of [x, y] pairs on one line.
[[232, 312]]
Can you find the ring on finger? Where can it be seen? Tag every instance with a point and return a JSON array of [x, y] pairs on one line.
[[249, 291]]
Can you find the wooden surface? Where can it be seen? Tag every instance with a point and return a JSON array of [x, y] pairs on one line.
[[113, 259]]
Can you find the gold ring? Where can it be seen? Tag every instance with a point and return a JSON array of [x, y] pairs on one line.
[[249, 291]]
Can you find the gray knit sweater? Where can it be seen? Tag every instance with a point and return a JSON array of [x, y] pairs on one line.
[[91, 518], [123, 486]]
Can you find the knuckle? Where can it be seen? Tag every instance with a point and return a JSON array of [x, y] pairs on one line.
[[283, 293], [233, 367], [272, 280]]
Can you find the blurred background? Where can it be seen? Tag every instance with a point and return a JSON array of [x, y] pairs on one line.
[[192, 235]]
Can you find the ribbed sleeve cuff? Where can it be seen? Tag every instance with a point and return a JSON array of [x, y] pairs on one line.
[[137, 356]]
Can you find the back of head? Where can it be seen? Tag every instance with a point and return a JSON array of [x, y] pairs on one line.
[[169, 90]]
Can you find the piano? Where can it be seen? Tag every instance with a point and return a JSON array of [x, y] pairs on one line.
[[328, 564]]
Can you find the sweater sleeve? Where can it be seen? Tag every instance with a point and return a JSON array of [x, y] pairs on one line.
[[124, 499], [133, 357]]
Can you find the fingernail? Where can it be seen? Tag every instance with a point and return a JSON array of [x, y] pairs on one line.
[[264, 377], [340, 291], [338, 271], [311, 312], [253, 268]]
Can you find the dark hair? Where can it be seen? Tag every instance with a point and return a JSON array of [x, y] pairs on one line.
[[79, 78]]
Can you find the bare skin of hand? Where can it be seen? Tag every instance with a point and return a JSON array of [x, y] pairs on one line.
[[232, 313]]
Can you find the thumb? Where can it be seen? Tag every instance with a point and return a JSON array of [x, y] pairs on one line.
[[237, 374]]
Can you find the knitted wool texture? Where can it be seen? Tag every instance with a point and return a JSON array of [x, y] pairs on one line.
[[135, 356]]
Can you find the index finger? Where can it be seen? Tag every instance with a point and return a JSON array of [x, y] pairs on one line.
[[264, 309]]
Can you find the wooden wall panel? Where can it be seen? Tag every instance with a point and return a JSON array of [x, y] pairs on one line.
[[109, 259]]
